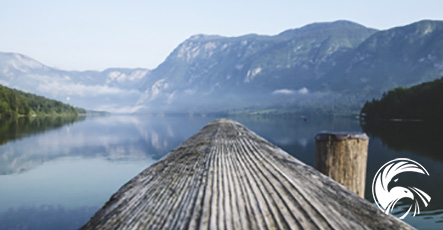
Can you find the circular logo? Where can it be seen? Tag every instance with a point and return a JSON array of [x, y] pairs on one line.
[[387, 191]]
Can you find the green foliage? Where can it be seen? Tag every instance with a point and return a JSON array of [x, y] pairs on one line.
[[14, 102], [424, 102], [81, 110]]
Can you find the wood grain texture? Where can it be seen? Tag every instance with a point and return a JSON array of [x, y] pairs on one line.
[[343, 157], [227, 177]]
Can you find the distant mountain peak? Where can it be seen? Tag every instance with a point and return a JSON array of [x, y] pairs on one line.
[[339, 26], [338, 23], [202, 37], [20, 62], [114, 90], [426, 26]]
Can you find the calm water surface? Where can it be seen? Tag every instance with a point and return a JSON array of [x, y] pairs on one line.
[[56, 172]]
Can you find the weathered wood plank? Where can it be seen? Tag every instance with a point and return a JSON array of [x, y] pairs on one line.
[[227, 177], [342, 156]]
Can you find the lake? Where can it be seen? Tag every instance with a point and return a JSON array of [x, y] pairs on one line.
[[55, 173]]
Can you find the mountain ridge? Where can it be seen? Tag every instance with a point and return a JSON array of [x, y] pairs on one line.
[[337, 64], [326, 66], [114, 89], [241, 60]]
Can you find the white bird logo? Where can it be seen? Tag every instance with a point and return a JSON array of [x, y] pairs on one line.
[[386, 198]]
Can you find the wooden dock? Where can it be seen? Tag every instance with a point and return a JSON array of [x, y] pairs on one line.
[[227, 177]]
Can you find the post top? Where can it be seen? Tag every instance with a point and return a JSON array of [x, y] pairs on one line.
[[340, 136]]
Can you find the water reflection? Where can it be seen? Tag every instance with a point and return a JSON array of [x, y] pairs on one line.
[[295, 135], [421, 138], [132, 138], [46, 217], [116, 138], [12, 129], [16, 158], [73, 166], [418, 141]]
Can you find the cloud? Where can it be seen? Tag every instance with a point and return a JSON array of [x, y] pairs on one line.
[[303, 90], [283, 91], [64, 88], [119, 109], [189, 92]]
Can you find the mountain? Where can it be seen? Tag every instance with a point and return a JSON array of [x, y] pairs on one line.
[[208, 73], [422, 102], [113, 90], [322, 66], [402, 56]]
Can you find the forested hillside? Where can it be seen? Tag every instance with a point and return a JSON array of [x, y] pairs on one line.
[[424, 102], [15, 103], [322, 68]]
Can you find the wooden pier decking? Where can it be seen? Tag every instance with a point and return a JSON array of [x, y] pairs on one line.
[[227, 177]]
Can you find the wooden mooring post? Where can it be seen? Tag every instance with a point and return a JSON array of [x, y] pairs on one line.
[[227, 177], [342, 156]]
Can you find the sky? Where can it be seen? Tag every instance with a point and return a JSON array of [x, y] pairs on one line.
[[99, 34]]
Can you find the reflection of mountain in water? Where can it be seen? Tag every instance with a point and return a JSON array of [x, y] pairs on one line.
[[132, 138], [12, 129], [45, 217], [421, 138], [115, 138], [14, 156], [418, 141]]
